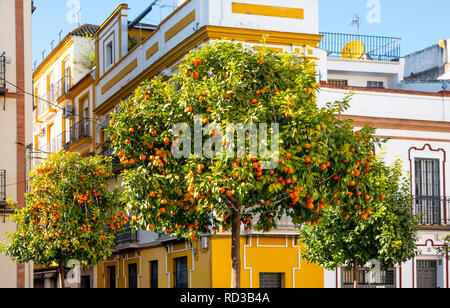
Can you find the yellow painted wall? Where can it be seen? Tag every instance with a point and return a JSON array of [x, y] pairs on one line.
[[265, 255], [211, 267], [199, 271]]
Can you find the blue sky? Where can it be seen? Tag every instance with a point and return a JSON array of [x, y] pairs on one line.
[[419, 23]]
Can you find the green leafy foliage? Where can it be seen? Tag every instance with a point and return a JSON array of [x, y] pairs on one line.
[[67, 212], [225, 82], [387, 235]]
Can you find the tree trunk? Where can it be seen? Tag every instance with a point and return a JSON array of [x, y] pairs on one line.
[[61, 275], [236, 245], [355, 275]]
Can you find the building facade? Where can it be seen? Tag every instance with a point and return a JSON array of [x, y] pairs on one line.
[[64, 93], [416, 123], [16, 108], [415, 118]]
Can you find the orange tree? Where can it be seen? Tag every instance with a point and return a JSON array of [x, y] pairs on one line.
[[226, 83], [67, 213], [385, 233]]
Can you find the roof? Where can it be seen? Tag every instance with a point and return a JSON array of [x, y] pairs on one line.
[[86, 29], [82, 31]]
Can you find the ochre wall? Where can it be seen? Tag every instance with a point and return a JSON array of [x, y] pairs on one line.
[[265, 255]]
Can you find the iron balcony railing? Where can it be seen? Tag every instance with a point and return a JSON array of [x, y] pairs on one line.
[[56, 91], [378, 48], [55, 145], [2, 72], [369, 279], [108, 152], [80, 131], [126, 237], [2, 186], [432, 211]]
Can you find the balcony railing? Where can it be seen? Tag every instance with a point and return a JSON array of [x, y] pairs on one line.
[[80, 131], [369, 279], [432, 211], [2, 186], [56, 145], [108, 152], [126, 237], [378, 48], [2, 72], [56, 91]]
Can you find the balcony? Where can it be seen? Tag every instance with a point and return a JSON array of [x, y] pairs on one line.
[[373, 48], [432, 211], [79, 132], [2, 186], [126, 237], [3, 88], [56, 91], [55, 145], [108, 152], [369, 279]]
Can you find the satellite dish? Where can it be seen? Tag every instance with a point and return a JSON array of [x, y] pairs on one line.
[[354, 50]]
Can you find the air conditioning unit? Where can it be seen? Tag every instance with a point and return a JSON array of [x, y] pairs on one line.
[[68, 112], [42, 132]]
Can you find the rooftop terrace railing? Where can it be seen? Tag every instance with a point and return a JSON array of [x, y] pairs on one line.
[[376, 48]]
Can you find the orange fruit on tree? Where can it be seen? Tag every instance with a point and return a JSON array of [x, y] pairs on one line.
[[288, 155]]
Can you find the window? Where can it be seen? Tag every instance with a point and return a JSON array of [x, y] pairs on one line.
[[181, 273], [111, 277], [51, 94], [154, 274], [375, 84], [428, 201], [109, 54], [271, 280], [67, 76], [51, 148], [132, 276], [337, 82]]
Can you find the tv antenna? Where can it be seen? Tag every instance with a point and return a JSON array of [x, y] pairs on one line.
[[356, 21]]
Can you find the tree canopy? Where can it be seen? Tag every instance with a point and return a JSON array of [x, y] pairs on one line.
[[67, 212], [184, 185], [388, 235], [227, 83]]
